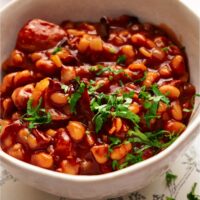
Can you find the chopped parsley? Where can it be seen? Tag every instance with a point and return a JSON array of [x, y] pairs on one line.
[[114, 141], [109, 69], [170, 178], [102, 105], [36, 115], [197, 95], [151, 102], [56, 50], [129, 160], [166, 49], [170, 198], [192, 195], [150, 139], [121, 59], [187, 110], [64, 87], [76, 96]]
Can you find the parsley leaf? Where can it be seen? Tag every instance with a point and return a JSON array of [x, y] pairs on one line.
[[115, 164], [109, 69], [36, 115], [114, 141], [192, 195], [197, 95], [187, 110], [130, 159], [169, 178], [64, 87], [56, 50], [170, 198], [102, 105], [121, 59], [76, 96], [151, 102]]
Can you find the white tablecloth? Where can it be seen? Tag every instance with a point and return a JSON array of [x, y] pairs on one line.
[[187, 168]]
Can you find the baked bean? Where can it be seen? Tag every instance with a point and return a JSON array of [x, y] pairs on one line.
[[42, 159], [162, 107], [46, 66], [7, 83], [151, 77], [37, 56], [83, 44], [175, 127], [67, 74], [7, 107], [21, 95], [7, 142], [59, 98], [176, 110], [158, 54], [23, 135], [32, 141], [96, 44], [76, 130], [137, 67], [51, 132], [17, 151], [145, 52], [70, 167], [121, 151], [138, 39], [134, 107], [178, 65], [17, 57], [100, 153], [170, 91], [165, 71], [128, 51]]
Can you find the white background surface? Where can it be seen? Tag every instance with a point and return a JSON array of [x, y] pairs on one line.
[[187, 168]]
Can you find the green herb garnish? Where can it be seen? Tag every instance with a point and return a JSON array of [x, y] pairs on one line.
[[113, 142], [36, 115], [170, 198], [76, 96], [150, 139], [56, 50], [192, 195], [151, 102], [109, 69], [64, 87], [141, 79], [187, 110], [102, 105], [121, 59], [170, 178]]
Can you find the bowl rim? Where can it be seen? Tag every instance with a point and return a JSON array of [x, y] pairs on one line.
[[190, 130]]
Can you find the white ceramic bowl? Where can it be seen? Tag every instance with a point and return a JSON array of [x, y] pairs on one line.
[[171, 12]]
